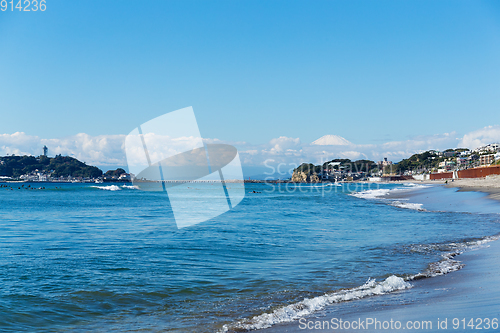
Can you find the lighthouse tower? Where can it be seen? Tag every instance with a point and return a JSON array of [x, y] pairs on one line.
[[45, 150]]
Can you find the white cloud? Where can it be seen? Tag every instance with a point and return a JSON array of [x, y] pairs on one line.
[[352, 155], [481, 137], [94, 150], [19, 144], [282, 144], [109, 149]]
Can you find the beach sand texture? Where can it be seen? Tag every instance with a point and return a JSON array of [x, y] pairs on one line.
[[489, 184]]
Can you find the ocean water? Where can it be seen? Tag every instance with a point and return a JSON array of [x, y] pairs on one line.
[[110, 257]]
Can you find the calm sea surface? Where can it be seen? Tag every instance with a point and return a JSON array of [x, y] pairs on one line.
[[107, 257]]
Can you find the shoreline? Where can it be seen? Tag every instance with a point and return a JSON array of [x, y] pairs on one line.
[[489, 184], [469, 293]]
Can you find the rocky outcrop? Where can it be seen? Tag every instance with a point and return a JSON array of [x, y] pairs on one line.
[[302, 177], [299, 177], [314, 178]]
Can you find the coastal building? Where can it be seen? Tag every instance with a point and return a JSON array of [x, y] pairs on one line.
[[473, 157], [124, 177], [486, 159], [490, 148], [35, 176], [384, 163], [385, 167], [465, 153], [42, 177], [446, 166], [493, 147]]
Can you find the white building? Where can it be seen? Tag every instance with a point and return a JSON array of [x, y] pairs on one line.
[[465, 153], [490, 148], [124, 177]]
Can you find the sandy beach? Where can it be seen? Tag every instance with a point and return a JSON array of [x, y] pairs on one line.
[[489, 184]]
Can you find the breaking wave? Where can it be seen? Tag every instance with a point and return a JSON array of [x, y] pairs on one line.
[[130, 187], [408, 205], [108, 188], [448, 264], [372, 194], [309, 305], [116, 188], [389, 195]]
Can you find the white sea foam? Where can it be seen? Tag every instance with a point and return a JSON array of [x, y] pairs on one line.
[[445, 266], [130, 187], [408, 205], [389, 195], [372, 194], [309, 305], [414, 185], [455, 248], [448, 264], [108, 188], [328, 184], [381, 193]]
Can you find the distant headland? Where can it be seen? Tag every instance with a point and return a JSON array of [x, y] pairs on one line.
[[54, 169]]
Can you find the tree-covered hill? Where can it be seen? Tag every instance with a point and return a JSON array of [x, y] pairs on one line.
[[337, 168], [115, 173], [59, 166], [344, 163], [427, 160]]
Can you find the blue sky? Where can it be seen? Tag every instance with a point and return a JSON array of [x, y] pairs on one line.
[[372, 72]]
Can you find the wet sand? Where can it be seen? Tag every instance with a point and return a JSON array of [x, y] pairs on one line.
[[470, 293]]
